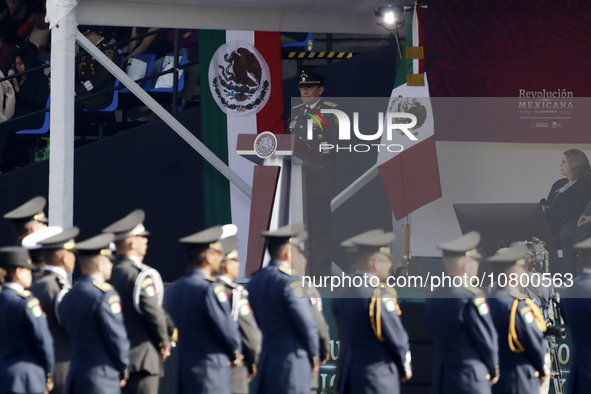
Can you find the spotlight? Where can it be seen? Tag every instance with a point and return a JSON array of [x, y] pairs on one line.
[[390, 16]]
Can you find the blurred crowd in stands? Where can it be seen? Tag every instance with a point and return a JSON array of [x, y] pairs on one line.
[[25, 47]]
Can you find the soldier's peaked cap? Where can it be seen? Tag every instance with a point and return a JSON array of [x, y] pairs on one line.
[[31, 210], [292, 233], [62, 240], [129, 226], [229, 244], [515, 255], [14, 257], [99, 244], [372, 241], [32, 241], [310, 78], [206, 239], [464, 246], [85, 29]]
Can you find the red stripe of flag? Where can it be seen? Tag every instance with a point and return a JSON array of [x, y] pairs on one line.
[[269, 46]]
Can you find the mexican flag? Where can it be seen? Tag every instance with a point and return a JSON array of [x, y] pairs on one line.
[[411, 176], [241, 92]]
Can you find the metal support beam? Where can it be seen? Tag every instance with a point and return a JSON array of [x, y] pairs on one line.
[[164, 115], [354, 188], [61, 154]]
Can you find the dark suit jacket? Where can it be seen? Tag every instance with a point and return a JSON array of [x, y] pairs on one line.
[[567, 206]]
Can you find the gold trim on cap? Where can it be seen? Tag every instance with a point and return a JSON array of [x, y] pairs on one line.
[[39, 216], [520, 262], [233, 255], [386, 249], [216, 246], [137, 230], [69, 245], [106, 252]]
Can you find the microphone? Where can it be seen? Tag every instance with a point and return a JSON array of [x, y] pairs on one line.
[[282, 117]]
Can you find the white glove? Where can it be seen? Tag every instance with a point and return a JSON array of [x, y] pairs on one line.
[[88, 86]]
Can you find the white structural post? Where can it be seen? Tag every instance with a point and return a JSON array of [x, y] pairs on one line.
[[61, 153]]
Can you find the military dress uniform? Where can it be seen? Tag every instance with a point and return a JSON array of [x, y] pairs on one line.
[[52, 284], [576, 310], [147, 324], [378, 350], [91, 316], [250, 335], [465, 339], [323, 332], [26, 346], [320, 183], [209, 341], [520, 327], [89, 69], [291, 342]]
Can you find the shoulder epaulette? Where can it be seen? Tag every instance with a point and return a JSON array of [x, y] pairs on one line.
[[298, 106], [518, 295], [102, 286], [474, 290], [285, 270], [210, 278], [330, 104], [147, 282], [25, 294]]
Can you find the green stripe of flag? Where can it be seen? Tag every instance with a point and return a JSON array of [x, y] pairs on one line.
[[216, 188]]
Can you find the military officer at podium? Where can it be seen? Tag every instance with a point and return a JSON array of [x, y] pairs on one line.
[[142, 292], [458, 318], [282, 309], [524, 363], [377, 356], [52, 285], [209, 342], [320, 184], [250, 334], [91, 316], [576, 309], [26, 347], [28, 217]]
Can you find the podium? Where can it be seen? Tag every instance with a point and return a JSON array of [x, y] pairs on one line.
[[277, 187]]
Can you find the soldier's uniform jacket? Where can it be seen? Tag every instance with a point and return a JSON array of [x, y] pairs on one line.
[[209, 340], [26, 347], [324, 130], [142, 292], [466, 342], [377, 347], [89, 69], [576, 309], [250, 335], [99, 349], [290, 346], [522, 352], [48, 287], [323, 334]]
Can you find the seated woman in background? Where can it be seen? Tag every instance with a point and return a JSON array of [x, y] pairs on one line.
[[31, 93], [568, 196]]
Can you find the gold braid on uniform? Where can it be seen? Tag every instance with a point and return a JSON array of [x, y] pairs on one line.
[[375, 319], [539, 319], [514, 343]]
